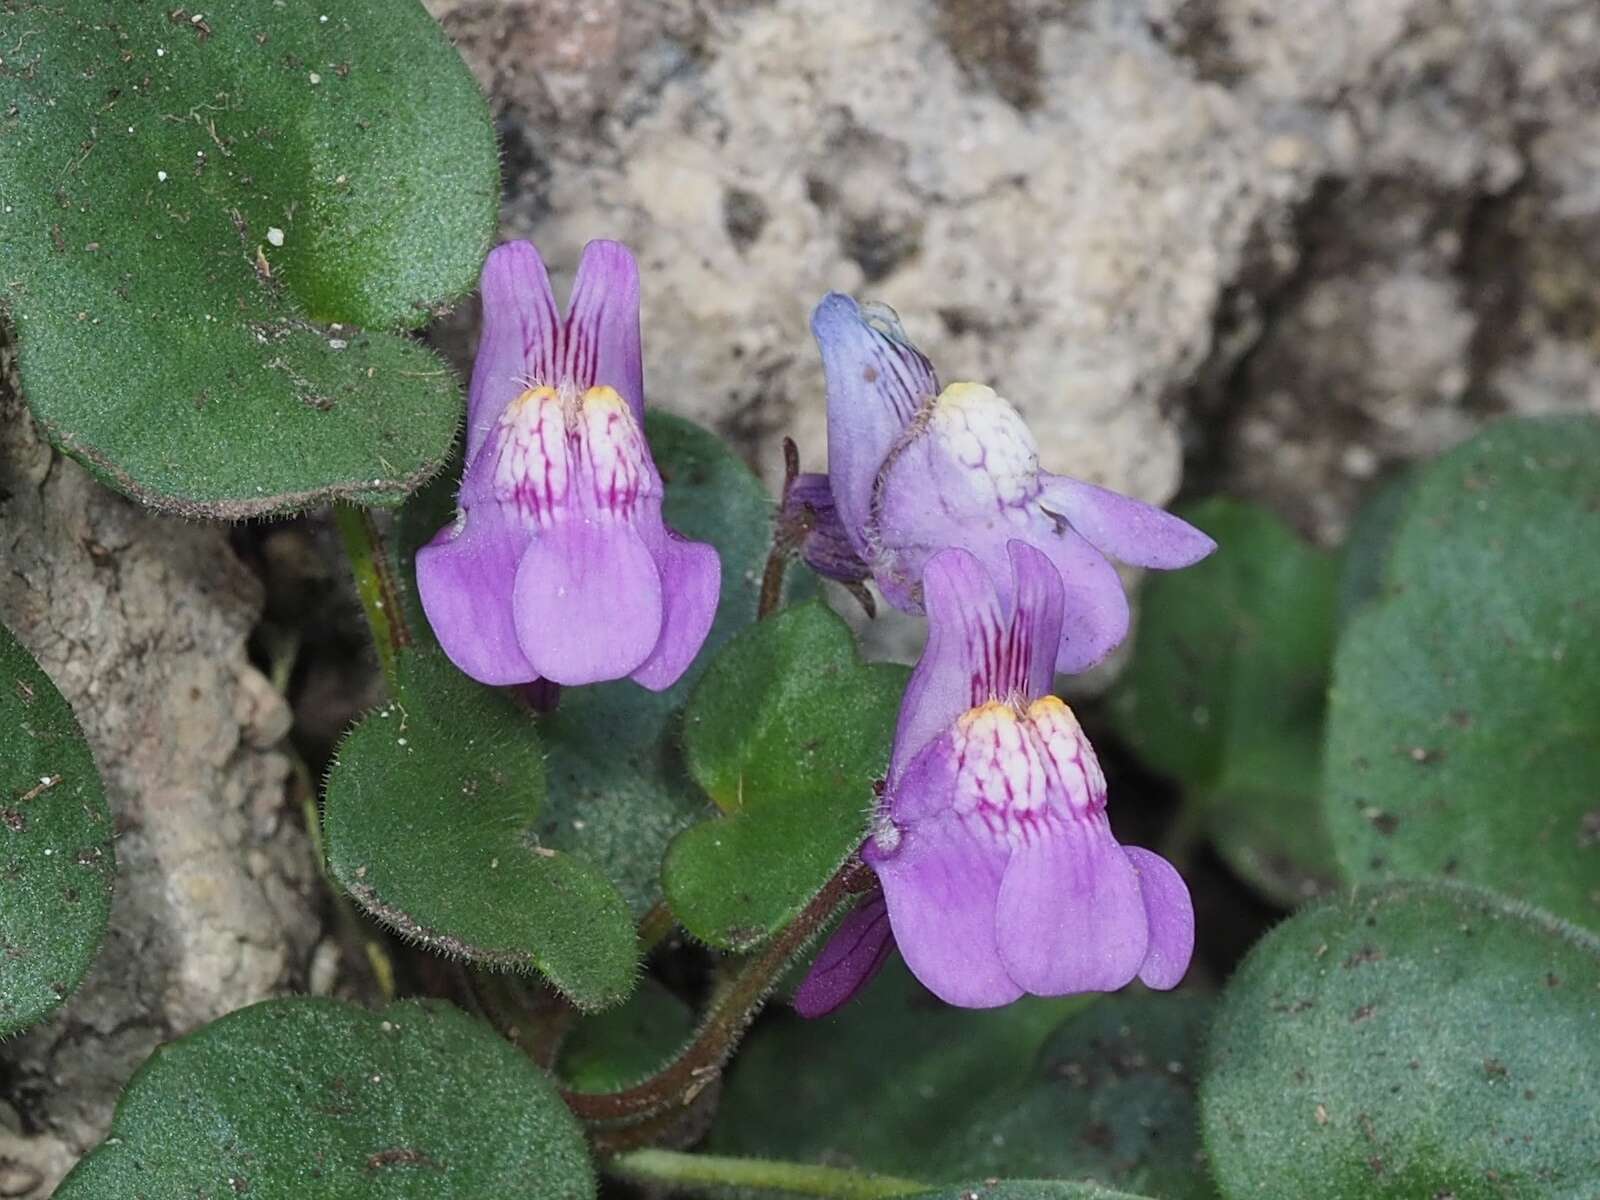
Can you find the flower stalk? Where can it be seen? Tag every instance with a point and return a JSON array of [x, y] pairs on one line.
[[788, 535], [375, 583], [699, 1064], [677, 1170]]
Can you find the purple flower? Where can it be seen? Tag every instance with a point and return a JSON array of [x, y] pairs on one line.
[[999, 870], [914, 469], [558, 565]]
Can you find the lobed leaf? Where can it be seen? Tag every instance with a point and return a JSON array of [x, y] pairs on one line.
[[431, 823], [311, 1097], [57, 858], [787, 733], [210, 219]]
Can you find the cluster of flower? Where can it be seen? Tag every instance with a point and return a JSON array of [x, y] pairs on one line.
[[999, 873]]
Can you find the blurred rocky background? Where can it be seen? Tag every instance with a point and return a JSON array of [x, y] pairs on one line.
[[1268, 247], [1288, 243]]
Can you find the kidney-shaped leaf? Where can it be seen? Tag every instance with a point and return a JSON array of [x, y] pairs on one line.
[[887, 1083], [787, 733], [431, 822], [1112, 1098], [1422, 1039], [208, 214], [56, 857], [309, 1097], [1464, 721], [898, 1082]]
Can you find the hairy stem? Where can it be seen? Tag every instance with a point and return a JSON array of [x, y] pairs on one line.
[[655, 927], [673, 1168], [375, 583], [731, 1011], [787, 537]]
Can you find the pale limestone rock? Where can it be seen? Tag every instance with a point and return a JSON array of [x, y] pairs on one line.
[[1119, 214], [141, 622]]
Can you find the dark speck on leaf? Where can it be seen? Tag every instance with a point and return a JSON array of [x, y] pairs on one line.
[[1367, 954], [399, 1156]]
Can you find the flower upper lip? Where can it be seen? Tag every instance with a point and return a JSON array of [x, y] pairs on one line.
[[559, 565], [914, 469]]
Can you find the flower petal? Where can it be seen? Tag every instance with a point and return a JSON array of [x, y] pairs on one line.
[[1095, 608], [853, 955], [974, 652], [1069, 916], [1126, 529], [521, 326], [941, 883], [691, 582], [876, 383], [464, 580], [1036, 618], [1170, 915], [601, 344], [963, 615], [587, 601], [827, 548]]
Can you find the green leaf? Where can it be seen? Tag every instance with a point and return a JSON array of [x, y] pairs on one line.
[[1464, 723], [1366, 551], [787, 733], [617, 788], [57, 861], [615, 1049], [430, 820], [1226, 693], [309, 1097], [884, 1083], [1416, 1040], [208, 220], [1111, 1098]]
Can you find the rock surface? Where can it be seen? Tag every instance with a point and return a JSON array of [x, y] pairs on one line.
[[1304, 241], [141, 622]]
